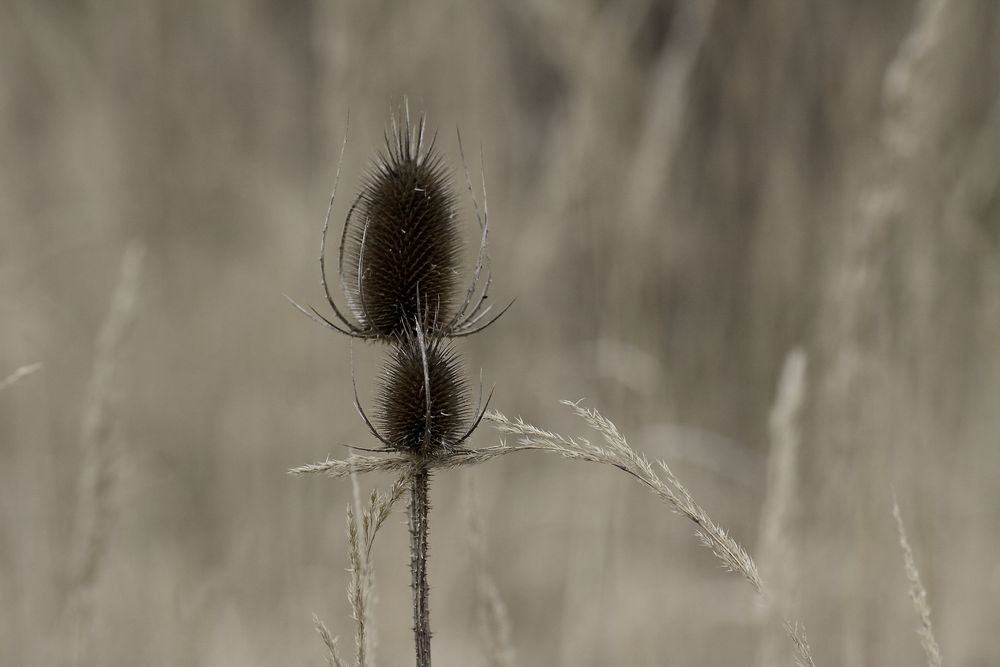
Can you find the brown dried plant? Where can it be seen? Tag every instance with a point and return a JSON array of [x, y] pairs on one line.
[[363, 524], [614, 451], [399, 267]]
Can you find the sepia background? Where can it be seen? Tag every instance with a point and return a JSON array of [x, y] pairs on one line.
[[686, 198]]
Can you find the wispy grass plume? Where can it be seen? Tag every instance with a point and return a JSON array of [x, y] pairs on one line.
[[332, 654], [618, 453], [918, 594], [363, 524], [95, 512]]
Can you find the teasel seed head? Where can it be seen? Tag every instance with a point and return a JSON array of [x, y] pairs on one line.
[[400, 239], [422, 402], [402, 236]]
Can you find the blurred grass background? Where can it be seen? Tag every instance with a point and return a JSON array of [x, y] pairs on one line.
[[681, 192]]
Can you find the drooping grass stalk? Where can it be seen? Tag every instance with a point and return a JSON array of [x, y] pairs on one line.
[[617, 452]]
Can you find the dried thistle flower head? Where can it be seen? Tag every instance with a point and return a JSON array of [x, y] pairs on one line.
[[400, 251], [422, 404], [401, 237]]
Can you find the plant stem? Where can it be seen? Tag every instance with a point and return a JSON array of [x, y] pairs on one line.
[[419, 507]]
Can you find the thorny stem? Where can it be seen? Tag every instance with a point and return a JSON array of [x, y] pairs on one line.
[[418, 510]]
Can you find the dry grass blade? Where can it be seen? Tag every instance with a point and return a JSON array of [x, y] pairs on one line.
[[918, 594], [99, 423], [357, 590], [617, 452], [803, 653], [332, 654], [379, 507], [354, 464], [390, 461], [95, 511], [19, 374], [363, 524]]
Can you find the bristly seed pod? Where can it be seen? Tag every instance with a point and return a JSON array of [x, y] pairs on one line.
[[401, 243], [400, 251], [422, 403]]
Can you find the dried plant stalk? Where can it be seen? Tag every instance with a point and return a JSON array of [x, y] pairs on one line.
[[775, 549], [918, 594], [363, 524], [418, 512], [99, 424], [357, 590], [95, 511], [400, 255], [615, 452], [332, 654], [390, 460]]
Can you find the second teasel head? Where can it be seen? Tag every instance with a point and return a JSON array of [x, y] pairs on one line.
[[401, 247], [422, 402]]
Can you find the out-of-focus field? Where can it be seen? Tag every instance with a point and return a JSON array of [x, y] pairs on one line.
[[681, 193]]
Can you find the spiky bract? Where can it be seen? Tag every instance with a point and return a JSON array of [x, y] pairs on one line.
[[408, 420], [401, 250]]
